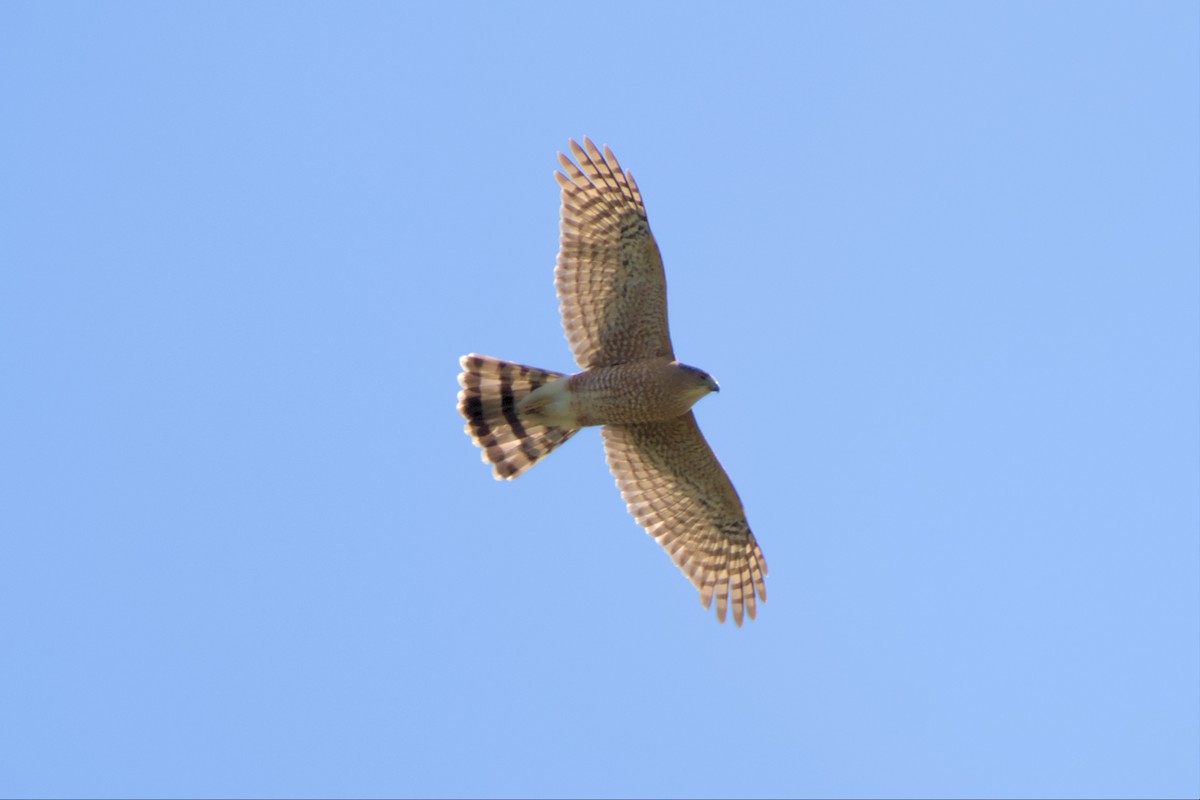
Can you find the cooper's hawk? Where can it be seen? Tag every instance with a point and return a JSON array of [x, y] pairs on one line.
[[613, 296]]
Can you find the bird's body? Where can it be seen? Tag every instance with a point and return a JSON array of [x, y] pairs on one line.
[[647, 390], [612, 290]]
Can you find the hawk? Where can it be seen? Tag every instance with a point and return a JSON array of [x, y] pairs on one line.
[[613, 297]]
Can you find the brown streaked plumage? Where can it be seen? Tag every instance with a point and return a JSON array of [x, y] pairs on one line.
[[609, 276], [677, 490], [613, 297]]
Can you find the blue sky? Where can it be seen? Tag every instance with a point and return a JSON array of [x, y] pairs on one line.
[[943, 258]]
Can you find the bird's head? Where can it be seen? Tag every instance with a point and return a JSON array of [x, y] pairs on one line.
[[696, 382]]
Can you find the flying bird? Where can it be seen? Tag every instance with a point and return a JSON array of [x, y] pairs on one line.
[[613, 297]]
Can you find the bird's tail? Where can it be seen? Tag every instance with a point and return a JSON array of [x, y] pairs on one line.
[[488, 401]]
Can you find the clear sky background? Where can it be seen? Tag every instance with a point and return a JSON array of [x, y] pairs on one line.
[[943, 258]]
